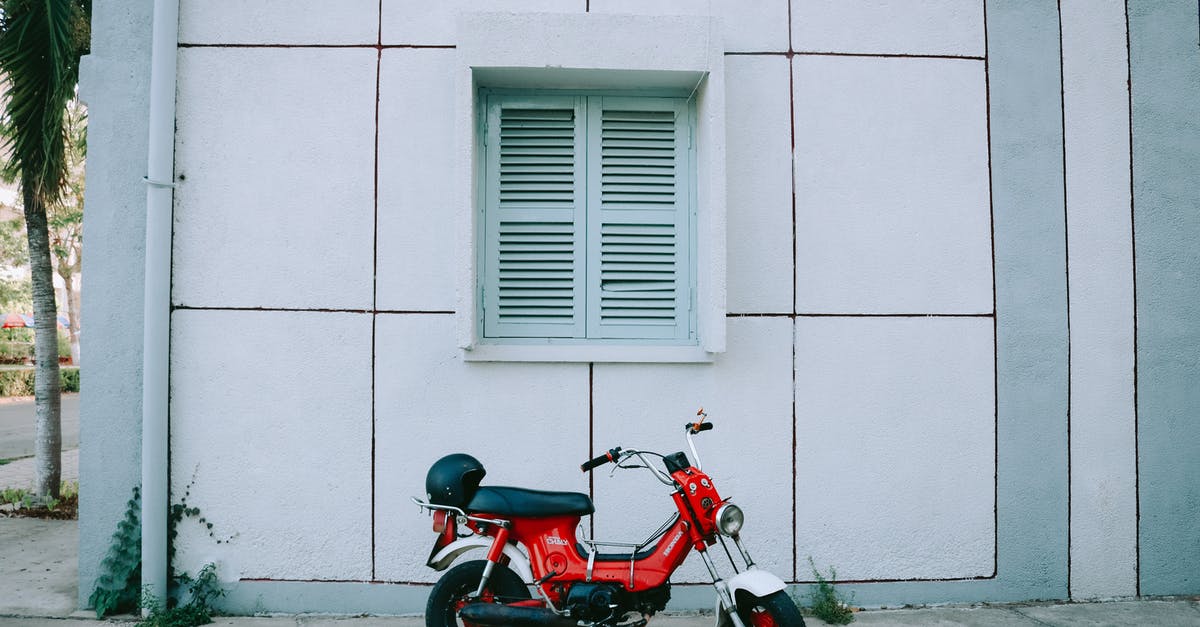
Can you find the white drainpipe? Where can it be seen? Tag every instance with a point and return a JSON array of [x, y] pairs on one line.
[[156, 339]]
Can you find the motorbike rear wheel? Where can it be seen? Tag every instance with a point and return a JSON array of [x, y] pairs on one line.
[[450, 593], [774, 610]]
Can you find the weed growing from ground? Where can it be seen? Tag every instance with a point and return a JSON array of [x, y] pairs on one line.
[[202, 590], [16, 496], [827, 603], [24, 503]]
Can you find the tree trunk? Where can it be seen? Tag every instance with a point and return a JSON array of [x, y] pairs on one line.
[[66, 272], [73, 320], [48, 440]]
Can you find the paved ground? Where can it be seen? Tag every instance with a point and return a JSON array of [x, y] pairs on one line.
[[1112, 614], [20, 473], [17, 425], [17, 420], [38, 566]]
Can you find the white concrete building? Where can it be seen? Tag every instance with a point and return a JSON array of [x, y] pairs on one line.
[[901, 281]]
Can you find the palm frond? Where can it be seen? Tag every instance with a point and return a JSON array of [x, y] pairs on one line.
[[40, 45]]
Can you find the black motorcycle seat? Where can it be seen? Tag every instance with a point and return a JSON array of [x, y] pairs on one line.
[[506, 501]]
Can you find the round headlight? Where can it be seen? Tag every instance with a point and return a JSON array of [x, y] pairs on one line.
[[729, 519]]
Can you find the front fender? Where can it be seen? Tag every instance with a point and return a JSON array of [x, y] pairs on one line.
[[760, 583], [517, 560]]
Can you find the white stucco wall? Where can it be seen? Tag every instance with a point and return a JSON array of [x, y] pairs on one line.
[[758, 158], [114, 82], [272, 445], [285, 187], [892, 204], [318, 275], [527, 423], [316, 372], [415, 266], [929, 27], [1100, 258], [903, 409], [258, 22], [749, 453]]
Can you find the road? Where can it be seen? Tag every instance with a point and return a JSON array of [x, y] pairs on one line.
[[18, 420]]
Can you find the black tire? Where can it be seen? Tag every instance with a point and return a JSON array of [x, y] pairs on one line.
[[460, 582], [777, 606]]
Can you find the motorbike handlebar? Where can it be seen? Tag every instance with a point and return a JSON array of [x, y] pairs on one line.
[[694, 428], [600, 460]]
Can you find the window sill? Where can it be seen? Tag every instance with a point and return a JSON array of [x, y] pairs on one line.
[[589, 353]]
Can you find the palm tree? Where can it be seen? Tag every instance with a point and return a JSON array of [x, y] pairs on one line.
[[66, 220], [40, 45]]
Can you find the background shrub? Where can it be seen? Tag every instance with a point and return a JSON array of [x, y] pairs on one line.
[[16, 346], [69, 379], [19, 381], [15, 352]]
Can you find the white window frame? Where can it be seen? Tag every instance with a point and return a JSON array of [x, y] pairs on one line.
[[598, 53]]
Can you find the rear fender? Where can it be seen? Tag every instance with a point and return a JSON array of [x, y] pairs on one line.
[[443, 557]]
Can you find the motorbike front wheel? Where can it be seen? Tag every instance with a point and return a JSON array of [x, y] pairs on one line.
[[774, 610], [450, 593]]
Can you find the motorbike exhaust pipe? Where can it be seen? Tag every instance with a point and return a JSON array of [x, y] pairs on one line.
[[509, 616]]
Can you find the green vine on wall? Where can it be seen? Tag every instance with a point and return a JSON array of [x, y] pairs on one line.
[[121, 570], [118, 586], [175, 517]]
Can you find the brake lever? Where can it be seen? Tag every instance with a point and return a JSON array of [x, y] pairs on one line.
[[624, 456], [621, 457]]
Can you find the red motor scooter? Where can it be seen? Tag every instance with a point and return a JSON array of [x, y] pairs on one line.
[[530, 539]]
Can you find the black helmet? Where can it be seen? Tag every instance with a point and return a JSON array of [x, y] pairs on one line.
[[453, 479]]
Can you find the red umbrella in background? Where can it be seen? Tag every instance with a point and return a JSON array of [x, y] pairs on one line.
[[17, 321], [13, 321]]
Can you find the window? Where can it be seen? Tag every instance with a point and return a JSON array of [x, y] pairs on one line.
[[588, 231], [587, 66]]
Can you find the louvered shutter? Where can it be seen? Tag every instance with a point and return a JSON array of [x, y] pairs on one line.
[[534, 232], [639, 235]]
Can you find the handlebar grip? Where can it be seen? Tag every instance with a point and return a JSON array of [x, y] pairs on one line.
[[600, 460], [692, 428]]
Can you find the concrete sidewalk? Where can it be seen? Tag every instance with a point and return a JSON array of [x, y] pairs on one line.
[[1157, 613], [22, 473], [38, 567]]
